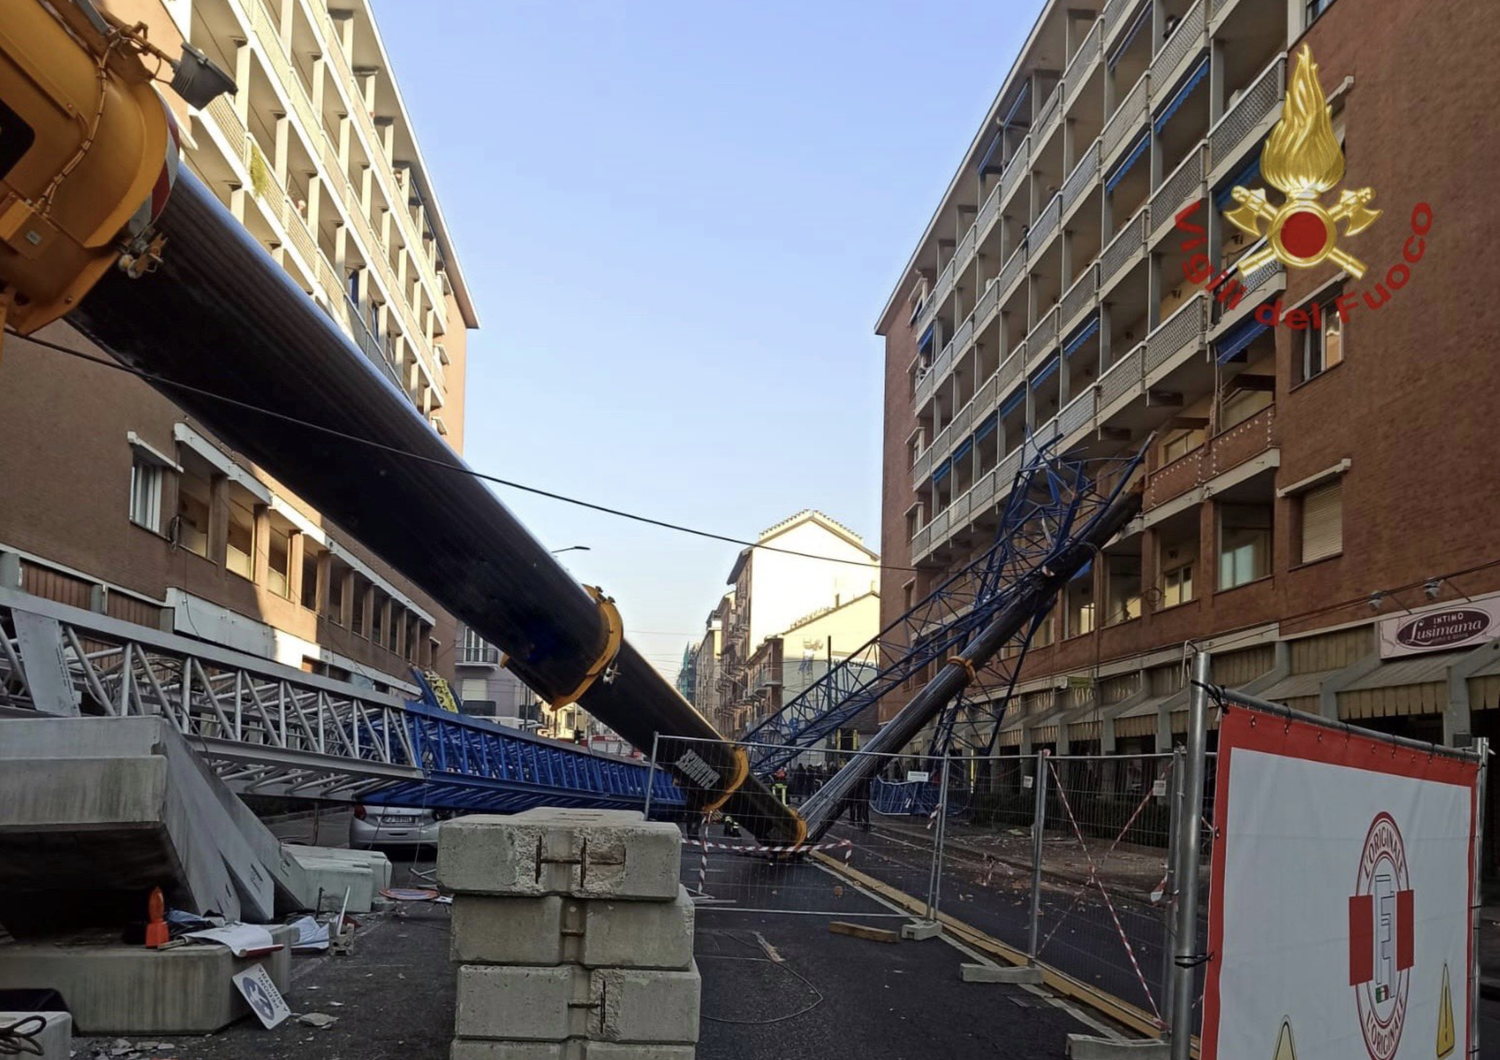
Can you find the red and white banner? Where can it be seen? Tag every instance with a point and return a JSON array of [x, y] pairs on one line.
[[1339, 902]]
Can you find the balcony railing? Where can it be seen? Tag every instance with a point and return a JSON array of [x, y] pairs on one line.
[[1084, 174], [1123, 377], [1185, 183], [1011, 368], [982, 493], [1180, 331], [1077, 414], [921, 543], [1127, 119], [922, 467], [1129, 243], [1089, 50], [1010, 177], [1221, 453], [988, 303], [963, 257], [1047, 223], [1042, 338], [1190, 37], [480, 655], [1080, 298], [958, 511], [1114, 17], [1011, 271], [1048, 116], [1257, 104], [988, 211]]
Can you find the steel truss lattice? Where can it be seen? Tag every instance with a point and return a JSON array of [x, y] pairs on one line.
[[274, 730], [1052, 503]]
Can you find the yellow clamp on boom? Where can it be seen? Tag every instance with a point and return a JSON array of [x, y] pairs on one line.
[[967, 665], [614, 637]]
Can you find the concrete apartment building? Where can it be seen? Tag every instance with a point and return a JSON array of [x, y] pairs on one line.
[[1318, 506], [488, 690], [824, 566], [116, 501], [705, 694]]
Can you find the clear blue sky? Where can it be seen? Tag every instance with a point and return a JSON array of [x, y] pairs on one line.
[[680, 222]]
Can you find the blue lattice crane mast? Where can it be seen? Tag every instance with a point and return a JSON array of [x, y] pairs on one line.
[[1051, 501]]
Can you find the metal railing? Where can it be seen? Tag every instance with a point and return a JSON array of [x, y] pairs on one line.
[[1183, 183], [1180, 331], [1049, 115], [1123, 377], [1113, 17], [1256, 104], [922, 466], [1127, 119], [1084, 56], [1010, 177], [1010, 369], [1048, 221], [1084, 174], [988, 303], [1128, 244], [1011, 271], [1190, 36], [1078, 413], [1042, 338], [988, 211], [1082, 296]]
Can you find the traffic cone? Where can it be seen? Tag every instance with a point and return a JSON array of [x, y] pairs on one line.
[[156, 924]]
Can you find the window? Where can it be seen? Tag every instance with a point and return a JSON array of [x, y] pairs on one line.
[[194, 498], [1322, 512], [239, 556], [1315, 9], [336, 573], [1177, 585], [1244, 543], [1241, 404], [1122, 589], [1043, 636], [1079, 612], [377, 620], [145, 492], [357, 619], [1179, 444], [309, 576], [279, 562], [1322, 346]]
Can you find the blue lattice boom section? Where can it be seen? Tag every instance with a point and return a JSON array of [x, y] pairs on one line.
[[1052, 503], [472, 764]]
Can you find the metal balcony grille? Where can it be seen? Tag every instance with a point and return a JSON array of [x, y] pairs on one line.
[[1078, 414], [1123, 377], [1182, 329], [1010, 370], [1011, 271], [1226, 138], [1082, 178], [988, 303], [1124, 248], [1127, 118], [1184, 184], [1078, 66], [1080, 296], [1046, 223], [1044, 336], [1050, 112], [1114, 13], [1014, 169], [1191, 34], [988, 211]]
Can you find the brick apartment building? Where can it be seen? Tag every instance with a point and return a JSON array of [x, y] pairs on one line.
[[113, 500], [1310, 495]]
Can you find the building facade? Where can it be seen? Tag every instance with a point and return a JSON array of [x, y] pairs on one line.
[[116, 501], [486, 689], [812, 564], [1314, 483], [706, 652]]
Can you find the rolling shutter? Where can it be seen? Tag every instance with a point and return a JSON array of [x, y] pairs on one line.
[[1323, 522], [473, 688]]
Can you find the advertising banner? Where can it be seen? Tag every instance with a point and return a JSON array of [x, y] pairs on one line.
[[1339, 901], [1447, 627]]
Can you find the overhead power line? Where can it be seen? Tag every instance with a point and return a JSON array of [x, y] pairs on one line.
[[152, 377]]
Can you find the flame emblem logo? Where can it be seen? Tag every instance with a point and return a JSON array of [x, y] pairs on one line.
[[1302, 158]]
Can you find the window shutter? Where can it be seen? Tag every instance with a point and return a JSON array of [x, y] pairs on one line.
[[473, 688], [1323, 522]]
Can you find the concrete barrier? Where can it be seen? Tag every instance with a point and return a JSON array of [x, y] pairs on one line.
[[573, 935]]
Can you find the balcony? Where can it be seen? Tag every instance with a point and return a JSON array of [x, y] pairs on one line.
[[1081, 64], [1042, 339], [1079, 299], [1049, 118], [1048, 222], [1122, 381], [1128, 246], [921, 468], [939, 294], [1013, 269], [1015, 169], [1128, 119], [479, 655], [1115, 17], [1176, 337], [1183, 185], [1186, 43], [1083, 178], [1221, 453], [1248, 121], [1077, 415]]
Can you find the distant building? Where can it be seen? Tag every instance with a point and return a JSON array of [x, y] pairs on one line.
[[806, 565], [687, 678], [486, 688], [705, 695]]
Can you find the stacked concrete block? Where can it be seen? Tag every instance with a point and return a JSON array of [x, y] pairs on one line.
[[573, 937]]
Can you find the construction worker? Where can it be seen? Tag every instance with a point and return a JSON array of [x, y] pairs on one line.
[[779, 788]]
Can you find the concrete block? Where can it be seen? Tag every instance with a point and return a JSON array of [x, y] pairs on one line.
[[1085, 1047], [927, 929], [478, 1049], [628, 1051], [527, 1004], [990, 973], [114, 989], [638, 934], [27, 739], [583, 853], [490, 930], [333, 876], [378, 863], [56, 1038], [635, 1005]]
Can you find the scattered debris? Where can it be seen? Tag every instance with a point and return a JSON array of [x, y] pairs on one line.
[[860, 931], [317, 1019]]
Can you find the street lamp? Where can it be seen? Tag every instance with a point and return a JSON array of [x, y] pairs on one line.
[[570, 548]]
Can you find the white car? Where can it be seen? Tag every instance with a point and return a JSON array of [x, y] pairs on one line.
[[392, 826]]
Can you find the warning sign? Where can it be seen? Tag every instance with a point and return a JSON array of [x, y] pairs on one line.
[[262, 996], [1340, 891]]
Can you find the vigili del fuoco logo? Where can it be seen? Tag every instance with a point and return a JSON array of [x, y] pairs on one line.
[[1302, 158]]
